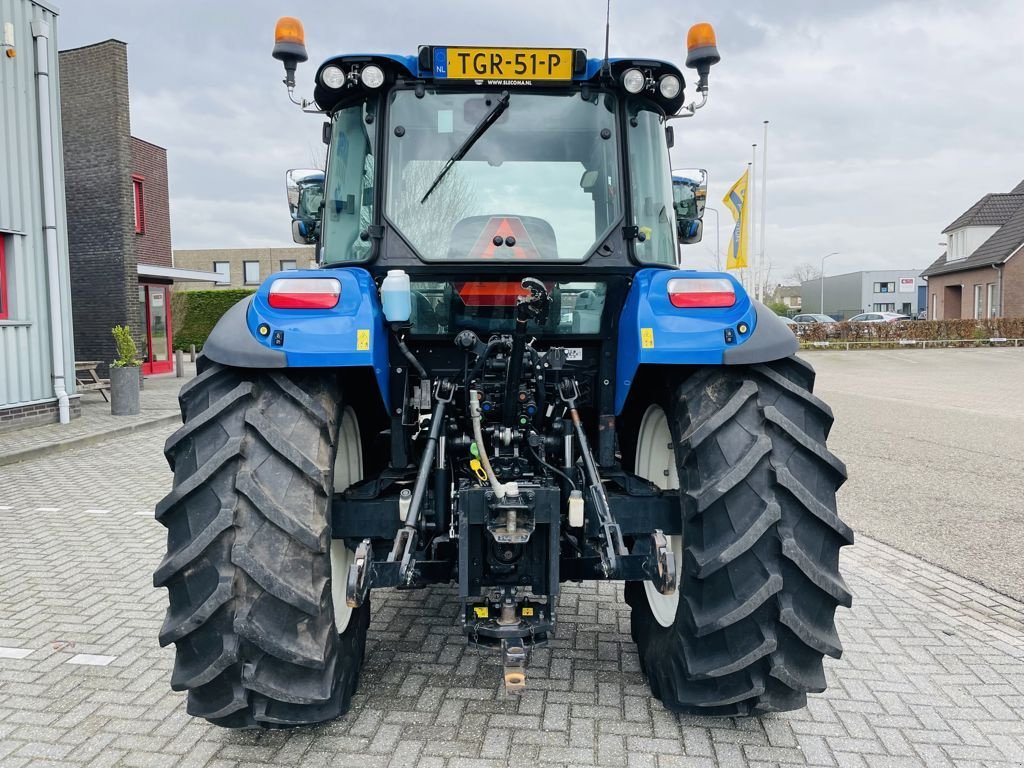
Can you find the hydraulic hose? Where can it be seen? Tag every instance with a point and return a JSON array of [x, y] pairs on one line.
[[411, 357], [478, 435]]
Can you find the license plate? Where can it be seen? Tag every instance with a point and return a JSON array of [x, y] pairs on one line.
[[549, 64]]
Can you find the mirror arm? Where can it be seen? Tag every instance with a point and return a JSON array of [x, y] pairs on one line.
[[690, 109]]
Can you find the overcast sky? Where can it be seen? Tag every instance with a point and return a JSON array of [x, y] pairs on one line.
[[887, 119]]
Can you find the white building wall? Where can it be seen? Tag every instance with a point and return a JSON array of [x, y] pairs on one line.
[[854, 292], [25, 357]]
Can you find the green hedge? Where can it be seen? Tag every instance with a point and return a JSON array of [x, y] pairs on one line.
[[915, 330], [196, 312]]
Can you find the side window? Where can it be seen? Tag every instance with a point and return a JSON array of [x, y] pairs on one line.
[[140, 205], [251, 270], [348, 195], [223, 268], [651, 187]]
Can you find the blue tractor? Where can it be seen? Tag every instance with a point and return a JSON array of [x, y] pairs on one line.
[[499, 379]]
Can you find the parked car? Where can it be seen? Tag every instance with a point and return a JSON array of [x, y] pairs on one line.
[[803, 323], [786, 320], [812, 318], [878, 317]]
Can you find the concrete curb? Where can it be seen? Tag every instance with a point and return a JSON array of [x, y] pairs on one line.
[[41, 451]]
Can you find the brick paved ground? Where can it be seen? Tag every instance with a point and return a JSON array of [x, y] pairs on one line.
[[933, 673]]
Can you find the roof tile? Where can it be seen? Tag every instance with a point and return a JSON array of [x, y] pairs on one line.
[[1000, 246], [993, 210]]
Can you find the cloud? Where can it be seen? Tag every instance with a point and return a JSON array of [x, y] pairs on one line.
[[888, 119]]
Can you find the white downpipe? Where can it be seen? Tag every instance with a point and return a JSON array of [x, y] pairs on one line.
[[41, 33]]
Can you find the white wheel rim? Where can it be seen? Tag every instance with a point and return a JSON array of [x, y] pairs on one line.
[[348, 469], [656, 461]]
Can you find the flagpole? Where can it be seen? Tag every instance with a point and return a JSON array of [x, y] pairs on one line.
[[763, 279], [748, 196], [751, 207]]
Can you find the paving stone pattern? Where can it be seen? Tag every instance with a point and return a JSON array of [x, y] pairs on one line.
[[933, 673]]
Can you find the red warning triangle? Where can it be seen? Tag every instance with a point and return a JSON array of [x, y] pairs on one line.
[[505, 227]]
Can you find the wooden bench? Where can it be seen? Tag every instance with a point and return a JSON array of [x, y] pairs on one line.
[[88, 380]]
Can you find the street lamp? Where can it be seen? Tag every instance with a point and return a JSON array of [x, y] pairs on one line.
[[718, 232], [821, 307]]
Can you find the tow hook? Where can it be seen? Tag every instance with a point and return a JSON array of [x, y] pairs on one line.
[[513, 662]]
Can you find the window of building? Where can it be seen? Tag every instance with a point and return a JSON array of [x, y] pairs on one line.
[[993, 309], [4, 310], [223, 268], [885, 307], [884, 288], [979, 302], [935, 308], [251, 272], [140, 208], [288, 264]]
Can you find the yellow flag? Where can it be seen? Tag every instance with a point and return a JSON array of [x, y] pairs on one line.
[[735, 201]]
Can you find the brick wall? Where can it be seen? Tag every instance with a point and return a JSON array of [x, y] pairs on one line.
[[153, 246], [961, 285], [1013, 285], [47, 412], [97, 169]]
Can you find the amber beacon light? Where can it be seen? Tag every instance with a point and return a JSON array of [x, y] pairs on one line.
[[702, 51], [289, 46]]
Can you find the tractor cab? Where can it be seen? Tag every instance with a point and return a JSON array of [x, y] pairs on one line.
[[499, 160]]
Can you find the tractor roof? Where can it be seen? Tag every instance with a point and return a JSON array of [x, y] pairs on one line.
[[430, 65]]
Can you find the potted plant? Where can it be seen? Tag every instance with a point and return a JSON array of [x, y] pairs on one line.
[[124, 374]]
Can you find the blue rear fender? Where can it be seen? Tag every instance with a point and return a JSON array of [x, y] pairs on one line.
[[653, 332], [349, 335]]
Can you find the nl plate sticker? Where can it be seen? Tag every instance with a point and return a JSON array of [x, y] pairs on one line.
[[574, 353]]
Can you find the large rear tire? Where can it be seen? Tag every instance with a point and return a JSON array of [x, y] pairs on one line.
[[759, 576], [248, 564]]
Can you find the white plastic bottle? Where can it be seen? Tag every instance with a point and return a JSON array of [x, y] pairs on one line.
[[396, 296]]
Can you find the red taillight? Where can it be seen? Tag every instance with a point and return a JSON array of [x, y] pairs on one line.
[[701, 292], [304, 293]]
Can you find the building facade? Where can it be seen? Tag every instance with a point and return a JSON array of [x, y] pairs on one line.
[[119, 223], [981, 274], [788, 296], [886, 290], [37, 372], [242, 267]]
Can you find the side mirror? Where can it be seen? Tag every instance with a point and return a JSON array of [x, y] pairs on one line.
[[302, 232], [305, 189], [589, 180], [689, 195], [690, 231]]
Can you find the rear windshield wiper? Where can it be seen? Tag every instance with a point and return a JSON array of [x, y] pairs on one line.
[[488, 120]]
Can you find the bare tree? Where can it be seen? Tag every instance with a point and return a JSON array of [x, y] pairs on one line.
[[763, 281], [803, 272], [429, 226]]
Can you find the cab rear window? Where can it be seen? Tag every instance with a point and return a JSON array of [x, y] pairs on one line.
[[487, 306]]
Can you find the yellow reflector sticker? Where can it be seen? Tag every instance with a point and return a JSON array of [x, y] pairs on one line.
[[363, 339], [527, 610], [480, 611], [647, 338]]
